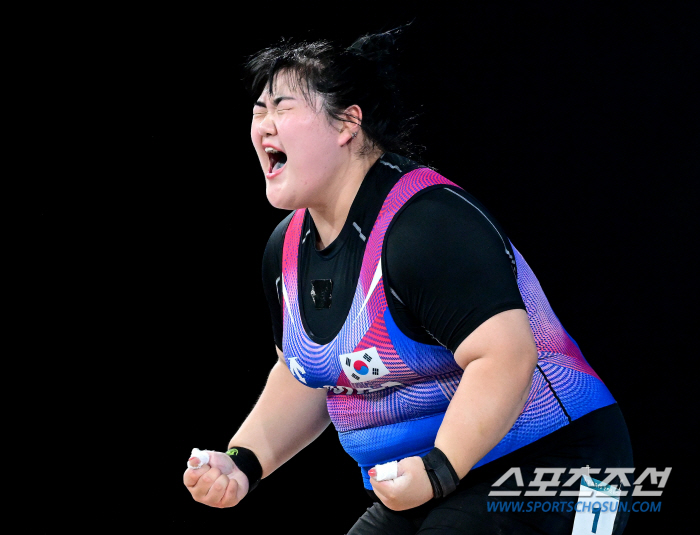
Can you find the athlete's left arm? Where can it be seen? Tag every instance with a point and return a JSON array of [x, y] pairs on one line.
[[499, 359]]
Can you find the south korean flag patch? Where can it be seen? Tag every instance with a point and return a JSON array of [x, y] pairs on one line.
[[362, 366]]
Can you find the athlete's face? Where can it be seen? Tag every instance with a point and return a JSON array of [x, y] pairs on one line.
[[298, 146]]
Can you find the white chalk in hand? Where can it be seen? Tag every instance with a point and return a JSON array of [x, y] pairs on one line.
[[387, 471], [202, 455]]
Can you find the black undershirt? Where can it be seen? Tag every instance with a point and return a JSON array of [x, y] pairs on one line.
[[447, 263]]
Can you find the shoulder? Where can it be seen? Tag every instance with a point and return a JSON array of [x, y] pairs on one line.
[[441, 223], [447, 208]]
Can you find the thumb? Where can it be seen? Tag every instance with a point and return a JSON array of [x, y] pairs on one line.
[[384, 472], [221, 461], [197, 458]]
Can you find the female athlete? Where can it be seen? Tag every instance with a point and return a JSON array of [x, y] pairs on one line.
[[403, 314]]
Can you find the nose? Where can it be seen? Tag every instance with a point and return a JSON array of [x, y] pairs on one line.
[[267, 127]]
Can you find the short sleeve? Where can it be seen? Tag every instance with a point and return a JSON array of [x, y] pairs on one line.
[[449, 264]]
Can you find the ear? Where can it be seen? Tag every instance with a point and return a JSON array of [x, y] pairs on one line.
[[349, 127]]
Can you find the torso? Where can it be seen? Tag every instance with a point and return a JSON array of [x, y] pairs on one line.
[[378, 350]]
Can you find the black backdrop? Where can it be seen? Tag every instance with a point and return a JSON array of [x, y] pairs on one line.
[[575, 123]]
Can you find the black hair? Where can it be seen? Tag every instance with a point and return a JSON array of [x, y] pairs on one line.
[[365, 73]]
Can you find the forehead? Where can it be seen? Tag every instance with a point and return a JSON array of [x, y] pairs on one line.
[[285, 83]]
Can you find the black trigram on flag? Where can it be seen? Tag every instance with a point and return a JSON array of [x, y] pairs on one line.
[[363, 365]]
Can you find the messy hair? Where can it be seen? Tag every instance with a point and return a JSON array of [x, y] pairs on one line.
[[364, 74]]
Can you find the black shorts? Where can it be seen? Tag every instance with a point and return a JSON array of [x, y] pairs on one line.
[[599, 439]]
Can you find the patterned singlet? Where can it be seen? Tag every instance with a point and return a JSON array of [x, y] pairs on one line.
[[387, 394]]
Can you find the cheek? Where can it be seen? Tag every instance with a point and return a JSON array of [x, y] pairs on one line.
[[316, 141], [255, 137], [256, 140]]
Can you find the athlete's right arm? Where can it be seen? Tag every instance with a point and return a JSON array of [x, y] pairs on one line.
[[287, 417]]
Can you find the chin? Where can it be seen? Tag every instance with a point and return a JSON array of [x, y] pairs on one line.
[[280, 206], [278, 200]]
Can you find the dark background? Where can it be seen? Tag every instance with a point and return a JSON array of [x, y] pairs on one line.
[[576, 123]]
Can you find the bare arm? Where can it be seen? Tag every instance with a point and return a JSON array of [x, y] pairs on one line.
[[498, 358], [287, 417]]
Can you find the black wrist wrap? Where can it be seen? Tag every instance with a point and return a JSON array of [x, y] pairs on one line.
[[443, 477], [248, 463]]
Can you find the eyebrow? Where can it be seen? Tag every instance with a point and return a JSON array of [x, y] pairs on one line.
[[276, 101]]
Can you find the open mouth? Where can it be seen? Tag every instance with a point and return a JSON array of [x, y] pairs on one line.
[[278, 159]]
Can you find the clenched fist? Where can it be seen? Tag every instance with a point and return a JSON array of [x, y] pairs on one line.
[[218, 482]]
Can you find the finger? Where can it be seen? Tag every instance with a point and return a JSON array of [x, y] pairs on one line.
[[384, 491], [230, 497], [375, 487], [201, 488], [193, 462], [401, 467], [384, 488], [191, 477], [216, 491]]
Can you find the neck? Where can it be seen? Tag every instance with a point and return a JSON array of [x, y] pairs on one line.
[[330, 217]]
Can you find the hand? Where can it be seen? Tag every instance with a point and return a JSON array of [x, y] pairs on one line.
[[217, 484], [411, 487]]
